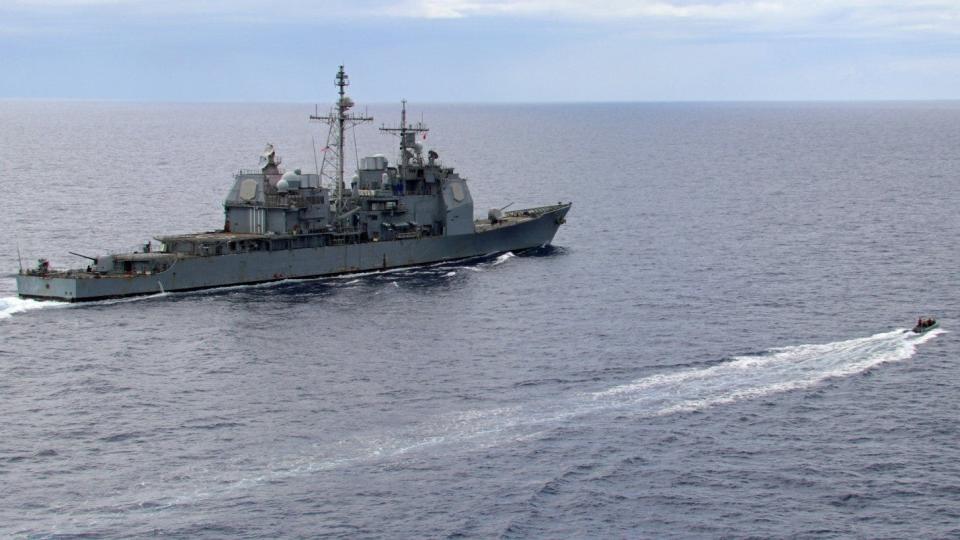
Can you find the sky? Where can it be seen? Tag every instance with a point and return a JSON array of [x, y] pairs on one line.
[[480, 50]]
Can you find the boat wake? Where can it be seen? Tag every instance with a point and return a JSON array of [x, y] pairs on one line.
[[11, 305], [112, 301], [739, 378], [747, 377], [680, 391]]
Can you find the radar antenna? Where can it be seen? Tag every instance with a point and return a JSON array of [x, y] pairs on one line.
[[339, 120], [408, 138]]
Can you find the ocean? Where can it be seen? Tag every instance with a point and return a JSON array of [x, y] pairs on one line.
[[713, 346]]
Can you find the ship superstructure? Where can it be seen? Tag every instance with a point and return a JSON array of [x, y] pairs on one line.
[[284, 224]]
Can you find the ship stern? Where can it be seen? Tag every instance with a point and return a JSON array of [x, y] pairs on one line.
[[39, 287]]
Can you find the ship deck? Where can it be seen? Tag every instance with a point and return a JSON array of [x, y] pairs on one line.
[[213, 236], [484, 225], [515, 217]]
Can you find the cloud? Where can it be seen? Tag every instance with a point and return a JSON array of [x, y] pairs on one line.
[[481, 49], [589, 9], [882, 19], [834, 17]]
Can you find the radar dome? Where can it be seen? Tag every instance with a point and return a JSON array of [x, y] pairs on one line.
[[289, 180]]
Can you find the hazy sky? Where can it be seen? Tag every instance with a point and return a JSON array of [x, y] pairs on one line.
[[480, 50]]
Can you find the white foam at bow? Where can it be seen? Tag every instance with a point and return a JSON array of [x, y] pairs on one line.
[[504, 258]]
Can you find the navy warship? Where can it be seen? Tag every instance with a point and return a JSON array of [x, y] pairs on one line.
[[290, 224]]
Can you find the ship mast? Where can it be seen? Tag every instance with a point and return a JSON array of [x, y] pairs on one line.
[[339, 120], [408, 136]]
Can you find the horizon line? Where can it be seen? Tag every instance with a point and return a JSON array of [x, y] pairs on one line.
[[481, 103]]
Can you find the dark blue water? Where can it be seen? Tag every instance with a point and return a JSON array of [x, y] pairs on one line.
[[712, 348]]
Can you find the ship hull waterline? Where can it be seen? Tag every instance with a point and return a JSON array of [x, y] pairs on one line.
[[198, 273]]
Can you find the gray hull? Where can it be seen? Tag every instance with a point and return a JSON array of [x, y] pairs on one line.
[[194, 273]]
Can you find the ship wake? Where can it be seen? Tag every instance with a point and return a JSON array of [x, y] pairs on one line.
[[11, 305]]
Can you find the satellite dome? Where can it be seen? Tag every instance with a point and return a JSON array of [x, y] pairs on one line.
[[289, 180]]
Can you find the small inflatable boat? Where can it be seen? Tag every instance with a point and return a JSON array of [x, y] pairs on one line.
[[925, 324]]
